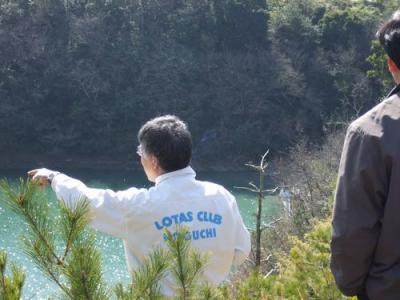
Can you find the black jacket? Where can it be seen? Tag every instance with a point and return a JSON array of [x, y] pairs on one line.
[[366, 220]]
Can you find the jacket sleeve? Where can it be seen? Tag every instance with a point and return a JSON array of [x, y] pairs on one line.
[[243, 241], [107, 208], [360, 197]]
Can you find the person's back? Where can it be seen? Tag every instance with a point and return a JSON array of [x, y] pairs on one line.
[[140, 216], [365, 247]]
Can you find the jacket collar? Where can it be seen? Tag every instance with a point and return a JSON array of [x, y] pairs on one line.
[[188, 171], [395, 90]]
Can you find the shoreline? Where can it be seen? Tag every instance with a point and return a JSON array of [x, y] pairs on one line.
[[97, 162]]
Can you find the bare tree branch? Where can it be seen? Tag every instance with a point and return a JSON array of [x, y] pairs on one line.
[[246, 189]]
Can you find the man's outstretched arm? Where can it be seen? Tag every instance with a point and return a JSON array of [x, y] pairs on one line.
[[360, 197], [107, 208]]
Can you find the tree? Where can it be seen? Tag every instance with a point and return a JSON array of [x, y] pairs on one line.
[[76, 268], [260, 191], [379, 69], [239, 71]]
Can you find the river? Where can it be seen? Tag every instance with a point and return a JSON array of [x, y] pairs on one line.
[[114, 266]]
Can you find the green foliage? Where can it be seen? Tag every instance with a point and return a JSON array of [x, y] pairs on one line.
[[180, 261], [187, 265], [256, 286], [304, 272], [309, 173], [349, 24], [77, 268], [10, 287], [184, 264], [93, 72], [83, 270], [207, 292], [379, 68], [146, 279], [296, 250], [327, 43]]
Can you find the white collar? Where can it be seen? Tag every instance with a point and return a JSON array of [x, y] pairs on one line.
[[188, 171]]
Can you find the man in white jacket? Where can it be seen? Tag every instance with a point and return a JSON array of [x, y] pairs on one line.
[[139, 216]]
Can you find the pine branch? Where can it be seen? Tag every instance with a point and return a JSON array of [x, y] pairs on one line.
[[197, 262], [18, 277], [42, 237], [179, 249], [83, 269], [146, 279], [85, 286], [3, 262], [206, 292], [120, 291], [21, 203], [10, 287], [80, 263], [34, 249], [67, 246], [74, 220], [187, 263]]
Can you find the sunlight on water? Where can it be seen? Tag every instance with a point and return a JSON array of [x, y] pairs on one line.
[[114, 265]]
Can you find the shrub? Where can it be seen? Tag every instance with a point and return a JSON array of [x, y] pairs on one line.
[[303, 273]]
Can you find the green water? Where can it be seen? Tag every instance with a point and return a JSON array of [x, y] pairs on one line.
[[114, 266]]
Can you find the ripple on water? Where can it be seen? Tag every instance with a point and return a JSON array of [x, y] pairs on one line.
[[37, 286]]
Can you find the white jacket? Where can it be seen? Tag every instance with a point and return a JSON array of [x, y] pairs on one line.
[[138, 216]]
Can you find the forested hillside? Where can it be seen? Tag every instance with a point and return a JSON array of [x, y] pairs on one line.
[[81, 76]]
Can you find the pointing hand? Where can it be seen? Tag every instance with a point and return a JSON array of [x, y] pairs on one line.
[[42, 176]]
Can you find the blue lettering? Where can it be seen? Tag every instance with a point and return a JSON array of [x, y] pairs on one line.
[[189, 216], [158, 226], [195, 235], [175, 217], [200, 216], [203, 216], [166, 221], [179, 218], [217, 219], [182, 218]]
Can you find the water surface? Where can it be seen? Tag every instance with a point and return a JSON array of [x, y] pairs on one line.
[[114, 266]]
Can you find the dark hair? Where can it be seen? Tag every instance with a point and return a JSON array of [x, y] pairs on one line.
[[389, 37], [167, 138]]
